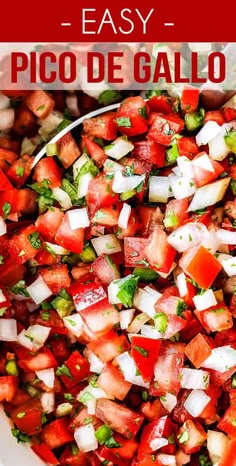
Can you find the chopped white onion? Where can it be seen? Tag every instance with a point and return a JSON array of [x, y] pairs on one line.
[[169, 401], [79, 163], [3, 227], [205, 300], [75, 324], [221, 359], [187, 236], [137, 323], [185, 167], [32, 306], [182, 458], [39, 290], [182, 187], [47, 376], [64, 409], [4, 101], [27, 147], [7, 117], [49, 124], [158, 442], [153, 292], [91, 406], [124, 216], [226, 236], [145, 302], [2, 297], [95, 392], [62, 197], [78, 218], [218, 148], [8, 330], [126, 317], [85, 438], [208, 132], [181, 283], [123, 184], [194, 378], [217, 444], [204, 162], [196, 402], [119, 148], [229, 266], [106, 244], [83, 187], [95, 364], [151, 332], [209, 194], [58, 250], [159, 189], [110, 166], [33, 337], [129, 369], [48, 402]]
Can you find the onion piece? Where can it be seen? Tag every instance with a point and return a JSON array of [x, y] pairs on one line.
[[185, 167], [49, 124], [153, 292], [79, 163], [7, 117], [159, 189], [182, 458], [169, 401], [217, 444], [78, 218], [221, 359], [83, 187], [196, 402], [181, 283], [95, 364], [62, 197], [129, 369], [64, 409], [110, 166], [145, 302], [187, 236], [34, 337], [126, 317], [106, 244], [124, 216], [209, 194], [119, 148], [3, 227], [5, 102], [48, 402], [218, 148], [123, 184], [203, 162], [39, 290], [138, 322], [205, 300], [229, 266], [47, 376], [208, 132], [194, 379], [182, 187], [75, 324], [166, 460], [94, 392], [85, 438], [58, 250], [8, 330], [151, 332], [158, 442], [226, 236]]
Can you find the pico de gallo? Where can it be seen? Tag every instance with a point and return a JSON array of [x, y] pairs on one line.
[[118, 286]]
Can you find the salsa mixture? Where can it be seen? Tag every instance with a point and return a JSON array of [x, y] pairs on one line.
[[118, 283]]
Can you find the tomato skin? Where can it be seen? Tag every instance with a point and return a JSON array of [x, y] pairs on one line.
[[215, 115], [21, 242], [28, 417], [45, 453], [145, 353], [7, 157], [48, 223], [73, 240], [120, 455], [40, 103], [102, 126], [100, 193], [189, 99], [100, 317], [10, 272], [187, 146], [158, 252], [161, 103], [44, 359], [108, 346], [217, 318], [161, 428], [56, 277], [4, 181], [133, 109], [47, 169], [120, 418], [24, 163], [134, 251], [229, 114], [200, 265], [170, 361], [68, 150], [56, 434], [229, 458], [95, 151], [112, 382], [227, 422], [67, 458], [86, 293], [196, 436], [153, 410], [159, 134], [105, 270], [8, 387], [10, 196], [150, 151], [199, 349]]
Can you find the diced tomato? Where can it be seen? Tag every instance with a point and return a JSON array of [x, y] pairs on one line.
[[60, 348], [121, 455], [202, 267], [56, 433], [70, 458], [162, 103], [203, 176], [78, 368], [25, 244], [56, 277], [100, 317], [215, 115], [8, 387], [8, 202], [191, 437], [167, 370], [150, 151], [86, 292], [154, 432], [109, 346], [20, 170], [44, 359], [229, 114], [7, 157], [158, 252], [131, 117], [187, 146], [5, 184], [95, 151], [47, 224], [227, 422], [112, 382], [189, 99], [229, 458], [45, 453], [199, 349], [107, 216], [68, 150], [26, 201], [105, 269], [132, 227], [164, 127], [73, 240], [28, 417], [217, 318], [176, 213], [11, 273], [24, 122], [47, 169], [145, 353], [40, 103], [134, 251], [102, 126], [153, 409], [120, 418], [100, 193]]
